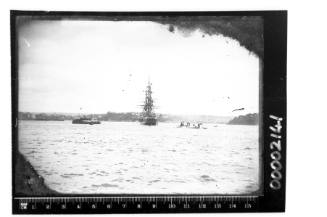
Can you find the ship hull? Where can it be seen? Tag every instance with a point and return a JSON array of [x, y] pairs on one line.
[[77, 121], [149, 121]]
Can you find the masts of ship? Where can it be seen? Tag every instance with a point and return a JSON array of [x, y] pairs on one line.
[[148, 117], [148, 104]]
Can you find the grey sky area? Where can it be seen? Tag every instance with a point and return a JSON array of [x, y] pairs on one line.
[[102, 66]]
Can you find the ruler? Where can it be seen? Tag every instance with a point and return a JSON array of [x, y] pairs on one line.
[[134, 204]]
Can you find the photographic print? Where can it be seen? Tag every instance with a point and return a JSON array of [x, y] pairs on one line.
[[139, 104]]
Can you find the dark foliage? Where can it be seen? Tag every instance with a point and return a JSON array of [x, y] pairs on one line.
[[249, 119]]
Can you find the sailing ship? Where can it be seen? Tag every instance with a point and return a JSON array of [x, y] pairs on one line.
[[148, 117]]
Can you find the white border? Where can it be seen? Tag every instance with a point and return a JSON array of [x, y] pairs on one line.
[[306, 74]]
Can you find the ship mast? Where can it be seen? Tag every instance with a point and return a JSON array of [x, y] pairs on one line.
[[148, 117], [148, 103]]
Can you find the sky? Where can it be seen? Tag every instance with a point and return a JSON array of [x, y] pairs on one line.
[[75, 66]]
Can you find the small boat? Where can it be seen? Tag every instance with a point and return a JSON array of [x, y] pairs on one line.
[[193, 126], [85, 120]]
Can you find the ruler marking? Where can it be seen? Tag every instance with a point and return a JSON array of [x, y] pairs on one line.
[[93, 197], [141, 202]]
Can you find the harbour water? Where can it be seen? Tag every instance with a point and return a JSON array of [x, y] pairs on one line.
[[127, 157]]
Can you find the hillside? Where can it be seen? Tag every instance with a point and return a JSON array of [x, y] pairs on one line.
[[248, 119]]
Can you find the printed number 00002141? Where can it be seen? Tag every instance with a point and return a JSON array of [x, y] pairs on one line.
[[275, 155]]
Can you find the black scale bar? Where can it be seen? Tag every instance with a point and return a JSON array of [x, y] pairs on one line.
[[138, 204]]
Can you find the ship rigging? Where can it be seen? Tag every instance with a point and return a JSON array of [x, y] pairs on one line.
[[148, 117]]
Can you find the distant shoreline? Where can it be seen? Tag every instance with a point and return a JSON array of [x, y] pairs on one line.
[[124, 117], [249, 119]]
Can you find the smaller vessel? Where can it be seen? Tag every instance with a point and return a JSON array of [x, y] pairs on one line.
[[85, 120], [193, 126]]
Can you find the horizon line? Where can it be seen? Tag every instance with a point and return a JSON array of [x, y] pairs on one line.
[[90, 113]]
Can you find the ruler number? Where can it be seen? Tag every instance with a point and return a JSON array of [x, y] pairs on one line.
[[171, 206], [186, 206], [217, 205], [247, 206], [23, 206], [232, 206]]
